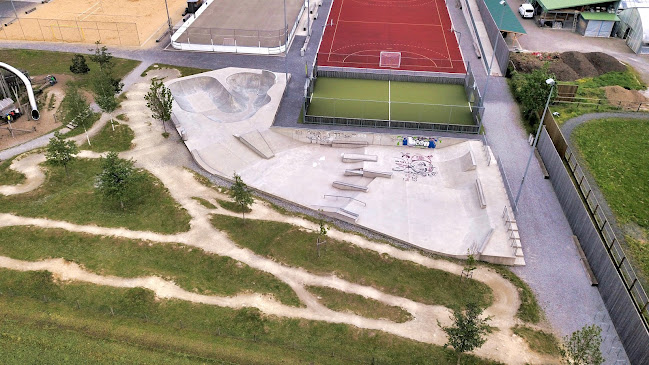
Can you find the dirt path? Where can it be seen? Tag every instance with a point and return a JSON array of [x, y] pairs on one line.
[[161, 157]]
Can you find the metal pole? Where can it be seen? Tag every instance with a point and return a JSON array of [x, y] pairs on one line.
[[308, 17], [286, 44], [169, 18], [14, 7], [536, 139], [493, 55]]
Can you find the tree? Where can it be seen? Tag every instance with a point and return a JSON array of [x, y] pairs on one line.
[[321, 235], [159, 99], [241, 194], [533, 91], [468, 330], [582, 347], [118, 179], [61, 152], [469, 265], [103, 87], [76, 109], [102, 57], [79, 65]]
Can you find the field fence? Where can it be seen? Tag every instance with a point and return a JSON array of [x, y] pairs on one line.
[[421, 63], [69, 31], [232, 37]]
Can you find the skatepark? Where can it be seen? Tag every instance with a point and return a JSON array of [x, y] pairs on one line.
[[442, 195]]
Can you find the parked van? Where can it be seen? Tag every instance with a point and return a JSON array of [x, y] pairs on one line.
[[526, 11]]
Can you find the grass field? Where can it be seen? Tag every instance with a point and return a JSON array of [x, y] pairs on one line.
[[107, 139], [47, 322], [295, 247], [9, 176], [394, 100], [190, 268], [539, 341], [615, 151], [73, 198]]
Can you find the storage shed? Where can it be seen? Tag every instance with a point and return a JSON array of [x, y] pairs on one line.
[[634, 27], [591, 18], [593, 24]]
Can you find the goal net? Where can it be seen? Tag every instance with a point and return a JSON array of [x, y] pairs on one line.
[[390, 59]]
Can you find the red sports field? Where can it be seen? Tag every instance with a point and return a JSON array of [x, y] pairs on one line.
[[358, 31]]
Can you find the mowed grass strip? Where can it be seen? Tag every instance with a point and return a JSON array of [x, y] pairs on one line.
[[345, 302], [293, 246], [78, 322], [9, 176], [118, 140], [616, 154], [191, 268], [539, 341], [74, 198]]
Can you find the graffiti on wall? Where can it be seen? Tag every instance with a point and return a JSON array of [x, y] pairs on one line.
[[414, 166]]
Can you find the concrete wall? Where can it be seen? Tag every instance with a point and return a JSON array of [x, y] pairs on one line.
[[613, 289]]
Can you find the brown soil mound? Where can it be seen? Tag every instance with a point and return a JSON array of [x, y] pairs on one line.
[[627, 99], [605, 63], [562, 72], [579, 63], [525, 62]]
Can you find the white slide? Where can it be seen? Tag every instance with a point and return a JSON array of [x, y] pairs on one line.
[[28, 85]]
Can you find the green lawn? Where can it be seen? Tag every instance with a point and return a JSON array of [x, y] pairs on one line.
[[73, 198], [9, 176], [529, 309], [72, 323], [184, 71], [357, 304], [616, 154], [539, 341], [107, 139], [410, 101], [191, 268], [293, 246]]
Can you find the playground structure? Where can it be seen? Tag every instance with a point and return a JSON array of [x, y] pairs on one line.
[[445, 196], [35, 114]]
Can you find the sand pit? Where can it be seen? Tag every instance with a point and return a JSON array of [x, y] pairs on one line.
[[118, 22]]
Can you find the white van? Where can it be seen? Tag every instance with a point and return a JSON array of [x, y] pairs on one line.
[[526, 11]]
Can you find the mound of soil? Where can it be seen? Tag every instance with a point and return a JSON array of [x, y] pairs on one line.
[[562, 72], [604, 63], [579, 63], [525, 62], [627, 99]]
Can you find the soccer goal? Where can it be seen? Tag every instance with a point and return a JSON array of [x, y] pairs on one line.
[[390, 59]]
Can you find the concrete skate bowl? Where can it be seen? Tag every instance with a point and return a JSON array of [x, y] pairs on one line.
[[240, 99]]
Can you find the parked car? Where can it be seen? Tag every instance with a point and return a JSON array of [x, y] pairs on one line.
[[526, 11]]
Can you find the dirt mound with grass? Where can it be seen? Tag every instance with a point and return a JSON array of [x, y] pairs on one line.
[[605, 63], [579, 63], [627, 99], [525, 62]]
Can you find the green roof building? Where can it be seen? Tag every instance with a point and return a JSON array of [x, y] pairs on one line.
[[590, 18]]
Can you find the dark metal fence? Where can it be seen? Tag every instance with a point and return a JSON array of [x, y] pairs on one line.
[[498, 44], [376, 123], [622, 293]]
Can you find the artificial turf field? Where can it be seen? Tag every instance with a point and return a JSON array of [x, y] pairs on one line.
[[390, 100]]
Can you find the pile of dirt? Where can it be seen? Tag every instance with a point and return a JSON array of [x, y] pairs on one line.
[[568, 66], [563, 72], [605, 63], [579, 63], [627, 99]]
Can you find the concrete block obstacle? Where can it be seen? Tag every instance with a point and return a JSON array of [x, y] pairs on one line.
[[355, 157], [337, 212], [349, 144], [467, 161], [348, 186], [368, 173], [480, 191]]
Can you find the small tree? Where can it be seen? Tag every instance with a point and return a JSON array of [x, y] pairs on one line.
[[321, 235], [468, 330], [79, 65], [102, 56], [533, 91], [241, 195], [103, 87], [118, 179], [582, 347], [469, 266], [61, 152], [159, 99]]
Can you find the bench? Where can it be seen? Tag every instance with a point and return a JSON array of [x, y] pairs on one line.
[[480, 191], [584, 261], [349, 144]]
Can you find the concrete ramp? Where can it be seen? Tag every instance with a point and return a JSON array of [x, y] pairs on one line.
[[374, 173], [357, 157], [256, 142], [339, 213], [348, 143]]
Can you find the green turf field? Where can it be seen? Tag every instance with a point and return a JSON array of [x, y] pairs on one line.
[[390, 100]]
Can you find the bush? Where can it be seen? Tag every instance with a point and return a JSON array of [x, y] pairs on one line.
[[79, 65]]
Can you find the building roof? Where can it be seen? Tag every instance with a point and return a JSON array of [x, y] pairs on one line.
[[504, 17], [564, 4], [600, 16]]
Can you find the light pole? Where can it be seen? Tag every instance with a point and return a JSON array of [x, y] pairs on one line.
[[503, 3], [550, 82], [169, 19]]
